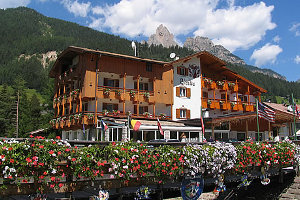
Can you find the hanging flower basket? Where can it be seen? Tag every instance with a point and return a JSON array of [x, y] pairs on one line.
[[74, 92], [106, 91], [105, 112], [90, 116], [116, 112], [132, 93], [146, 95], [147, 114], [231, 85], [162, 116], [117, 92]]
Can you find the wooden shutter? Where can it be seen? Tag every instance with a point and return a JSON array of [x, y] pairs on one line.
[[117, 83], [177, 91], [186, 71], [188, 92], [135, 109], [178, 70], [177, 113], [188, 114]]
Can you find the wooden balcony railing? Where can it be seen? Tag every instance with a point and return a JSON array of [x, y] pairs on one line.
[[88, 118], [228, 105]]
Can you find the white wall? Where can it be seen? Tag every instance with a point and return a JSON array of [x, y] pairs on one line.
[[194, 102]]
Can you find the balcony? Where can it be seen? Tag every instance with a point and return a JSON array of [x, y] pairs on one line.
[[122, 94], [87, 118], [222, 104], [222, 85]]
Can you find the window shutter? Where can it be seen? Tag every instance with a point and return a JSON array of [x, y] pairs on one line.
[[188, 92], [135, 109], [186, 71], [177, 91], [177, 113], [178, 70], [188, 114]]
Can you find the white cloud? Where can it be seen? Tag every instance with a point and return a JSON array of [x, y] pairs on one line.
[[232, 26], [295, 28], [78, 9], [266, 54], [276, 39], [297, 59], [13, 3]]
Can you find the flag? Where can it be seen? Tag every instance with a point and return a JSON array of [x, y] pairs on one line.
[[159, 127], [298, 111], [135, 124], [266, 113], [202, 124], [104, 127]]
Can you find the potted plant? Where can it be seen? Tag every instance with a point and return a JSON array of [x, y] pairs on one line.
[[162, 116], [132, 93], [221, 103], [146, 95], [116, 112], [231, 85], [220, 83], [52, 122], [128, 113], [232, 104], [71, 117], [74, 92], [106, 91], [105, 112], [209, 102], [90, 116], [147, 114], [117, 92]]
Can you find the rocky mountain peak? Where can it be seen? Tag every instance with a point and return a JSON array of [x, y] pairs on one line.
[[163, 37]]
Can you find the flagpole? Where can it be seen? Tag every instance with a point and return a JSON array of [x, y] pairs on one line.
[[201, 118], [128, 127], [295, 136], [257, 120]]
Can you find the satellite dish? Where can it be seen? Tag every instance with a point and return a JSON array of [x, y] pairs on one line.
[[172, 55], [177, 58]]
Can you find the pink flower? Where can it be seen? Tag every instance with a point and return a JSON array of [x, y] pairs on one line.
[[51, 152], [58, 137], [52, 178], [52, 185], [41, 146], [67, 150], [73, 159], [60, 185]]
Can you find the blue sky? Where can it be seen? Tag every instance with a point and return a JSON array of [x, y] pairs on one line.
[[263, 33]]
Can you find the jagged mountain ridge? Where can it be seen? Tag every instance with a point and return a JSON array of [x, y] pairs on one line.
[[166, 39]]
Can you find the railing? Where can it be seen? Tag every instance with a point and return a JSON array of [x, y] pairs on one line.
[[228, 105], [87, 117], [221, 85]]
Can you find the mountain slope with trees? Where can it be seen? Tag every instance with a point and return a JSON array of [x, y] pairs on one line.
[[26, 34]]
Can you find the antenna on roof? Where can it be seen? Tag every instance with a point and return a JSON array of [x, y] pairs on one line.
[[133, 47]]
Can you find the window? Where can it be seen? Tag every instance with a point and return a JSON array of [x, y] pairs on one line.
[[183, 92], [205, 94], [142, 109], [85, 106], [149, 67], [109, 106], [142, 86], [183, 113], [223, 96], [181, 70], [111, 82]]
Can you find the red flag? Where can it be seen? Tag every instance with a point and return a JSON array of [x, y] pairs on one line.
[[202, 124], [159, 127], [103, 126]]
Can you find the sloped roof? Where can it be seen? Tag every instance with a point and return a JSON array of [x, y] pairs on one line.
[[282, 113]]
